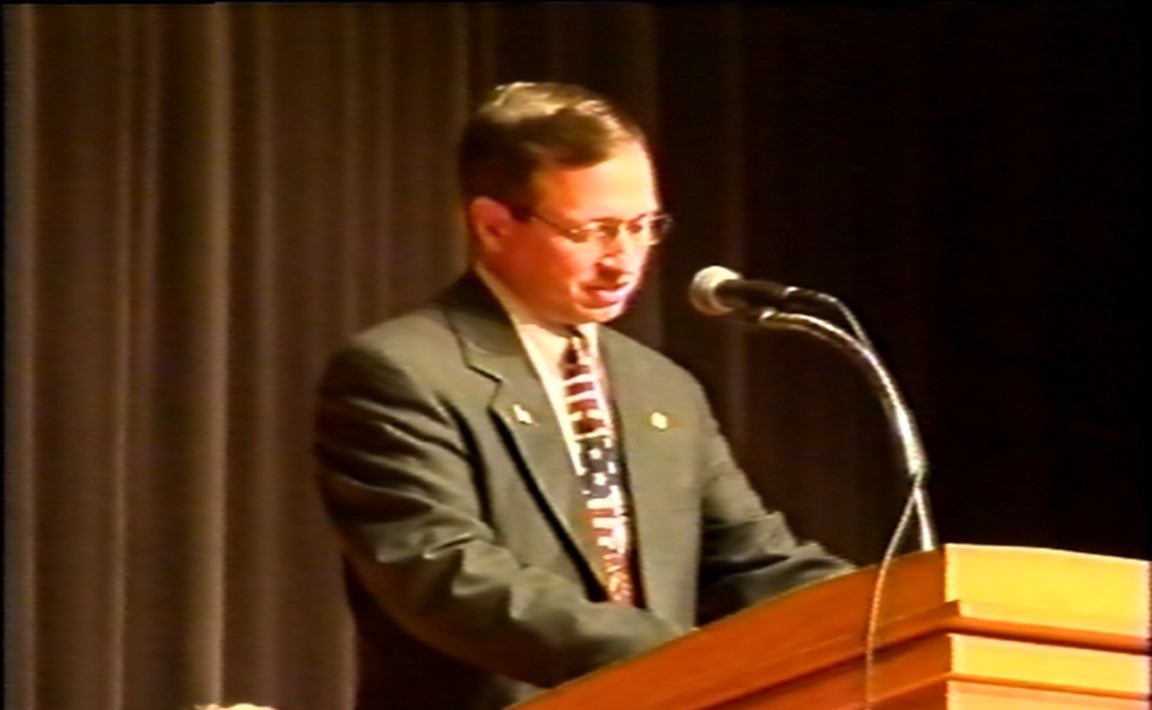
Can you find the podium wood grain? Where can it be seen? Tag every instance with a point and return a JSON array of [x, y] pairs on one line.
[[963, 626]]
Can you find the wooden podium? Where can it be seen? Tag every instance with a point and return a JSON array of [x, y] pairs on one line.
[[962, 626]]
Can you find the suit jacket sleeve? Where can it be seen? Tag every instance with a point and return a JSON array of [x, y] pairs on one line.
[[399, 479], [748, 553]]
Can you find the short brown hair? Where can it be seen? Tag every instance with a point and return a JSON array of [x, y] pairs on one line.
[[522, 127]]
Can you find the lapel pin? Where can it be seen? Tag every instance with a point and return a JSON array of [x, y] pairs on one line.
[[659, 421], [522, 415]]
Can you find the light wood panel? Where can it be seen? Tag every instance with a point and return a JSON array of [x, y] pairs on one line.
[[961, 626]]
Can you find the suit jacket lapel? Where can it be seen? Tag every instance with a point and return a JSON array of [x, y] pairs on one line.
[[643, 425], [520, 406]]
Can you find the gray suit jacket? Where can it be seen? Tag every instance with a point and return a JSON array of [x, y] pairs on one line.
[[470, 571]]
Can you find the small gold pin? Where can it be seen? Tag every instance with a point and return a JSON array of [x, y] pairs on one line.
[[659, 420], [522, 415]]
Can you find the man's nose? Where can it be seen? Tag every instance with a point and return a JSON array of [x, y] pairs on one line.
[[624, 251]]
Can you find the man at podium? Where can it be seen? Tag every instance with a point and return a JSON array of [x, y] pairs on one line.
[[523, 494]]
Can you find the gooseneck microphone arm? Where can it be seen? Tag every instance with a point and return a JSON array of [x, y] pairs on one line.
[[849, 317], [717, 290], [903, 426]]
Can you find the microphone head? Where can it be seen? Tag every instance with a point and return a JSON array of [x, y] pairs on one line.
[[702, 290]]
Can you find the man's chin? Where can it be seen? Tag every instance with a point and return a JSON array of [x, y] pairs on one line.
[[607, 305], [603, 314]]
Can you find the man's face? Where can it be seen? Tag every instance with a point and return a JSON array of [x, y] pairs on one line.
[[566, 282]]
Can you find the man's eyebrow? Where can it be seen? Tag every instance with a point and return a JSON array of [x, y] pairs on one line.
[[649, 213]]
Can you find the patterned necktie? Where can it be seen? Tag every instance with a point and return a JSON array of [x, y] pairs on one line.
[[599, 469]]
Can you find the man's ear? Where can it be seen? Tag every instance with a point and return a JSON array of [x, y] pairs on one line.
[[490, 220]]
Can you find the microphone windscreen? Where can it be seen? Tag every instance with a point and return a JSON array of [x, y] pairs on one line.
[[702, 291]]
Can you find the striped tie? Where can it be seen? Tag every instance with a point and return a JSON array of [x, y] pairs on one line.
[[599, 468]]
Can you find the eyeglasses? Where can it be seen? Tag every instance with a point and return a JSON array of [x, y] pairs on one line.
[[653, 227]]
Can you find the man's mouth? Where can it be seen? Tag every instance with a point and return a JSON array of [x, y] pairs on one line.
[[610, 294]]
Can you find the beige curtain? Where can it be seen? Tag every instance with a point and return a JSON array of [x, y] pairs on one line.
[[207, 199]]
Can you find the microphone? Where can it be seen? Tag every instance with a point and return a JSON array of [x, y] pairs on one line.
[[716, 290]]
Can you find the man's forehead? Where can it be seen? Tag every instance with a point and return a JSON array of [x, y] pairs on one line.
[[624, 178]]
